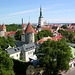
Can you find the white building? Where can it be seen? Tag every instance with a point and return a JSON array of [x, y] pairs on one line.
[[41, 21], [25, 52]]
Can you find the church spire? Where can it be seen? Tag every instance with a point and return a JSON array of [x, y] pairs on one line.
[[41, 12]]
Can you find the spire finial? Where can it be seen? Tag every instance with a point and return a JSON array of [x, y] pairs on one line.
[[40, 12]]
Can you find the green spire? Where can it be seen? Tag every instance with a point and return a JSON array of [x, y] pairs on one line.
[[41, 12]]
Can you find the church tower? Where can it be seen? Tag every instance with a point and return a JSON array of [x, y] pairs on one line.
[[23, 27], [4, 27], [29, 34], [40, 22]]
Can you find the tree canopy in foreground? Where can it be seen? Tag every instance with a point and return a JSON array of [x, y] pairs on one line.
[[6, 64], [55, 56], [5, 42]]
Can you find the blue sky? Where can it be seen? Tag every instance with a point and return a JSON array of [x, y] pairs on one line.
[[54, 11]]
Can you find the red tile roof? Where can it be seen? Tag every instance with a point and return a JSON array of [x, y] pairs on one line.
[[47, 28], [14, 32], [4, 26], [35, 31], [51, 38], [1, 28], [23, 25], [73, 24], [29, 29]]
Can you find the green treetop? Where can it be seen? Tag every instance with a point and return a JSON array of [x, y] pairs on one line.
[[6, 64], [43, 33], [55, 56], [18, 35]]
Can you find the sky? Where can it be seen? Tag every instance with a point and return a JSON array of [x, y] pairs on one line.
[[54, 11]]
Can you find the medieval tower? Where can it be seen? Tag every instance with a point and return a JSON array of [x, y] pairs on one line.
[[29, 34], [4, 28], [23, 27]]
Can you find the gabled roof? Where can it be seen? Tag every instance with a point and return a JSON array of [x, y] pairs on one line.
[[29, 29], [13, 50], [4, 27], [23, 25]]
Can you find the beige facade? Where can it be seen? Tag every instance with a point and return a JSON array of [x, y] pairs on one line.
[[15, 55], [31, 70], [26, 55], [1, 33]]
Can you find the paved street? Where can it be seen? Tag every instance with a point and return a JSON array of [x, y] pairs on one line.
[[70, 72]]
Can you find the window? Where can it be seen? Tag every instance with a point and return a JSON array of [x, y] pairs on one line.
[[17, 55]]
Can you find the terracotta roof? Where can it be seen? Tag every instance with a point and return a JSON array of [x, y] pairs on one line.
[[73, 24], [51, 38], [14, 32], [29, 29], [23, 25], [47, 28], [4, 26], [1, 28], [35, 31]]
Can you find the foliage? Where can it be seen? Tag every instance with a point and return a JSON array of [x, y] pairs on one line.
[[6, 64], [43, 33], [67, 35], [55, 56], [64, 27], [12, 27], [4, 42], [18, 35]]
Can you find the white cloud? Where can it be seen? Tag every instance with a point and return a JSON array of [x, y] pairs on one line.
[[28, 11]]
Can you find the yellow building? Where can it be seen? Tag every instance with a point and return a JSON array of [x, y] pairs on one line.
[[31, 70]]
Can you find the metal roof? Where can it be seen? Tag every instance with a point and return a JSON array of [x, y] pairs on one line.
[[24, 47]]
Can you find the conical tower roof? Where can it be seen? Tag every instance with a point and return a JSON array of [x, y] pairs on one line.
[[4, 27], [29, 28], [23, 25]]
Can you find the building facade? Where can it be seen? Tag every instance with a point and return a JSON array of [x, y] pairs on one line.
[[28, 35], [2, 30], [26, 52]]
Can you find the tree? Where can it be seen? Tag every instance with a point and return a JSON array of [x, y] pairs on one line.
[[43, 33], [11, 41], [68, 35], [18, 35], [6, 64], [55, 56], [64, 27], [12, 27], [4, 42]]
